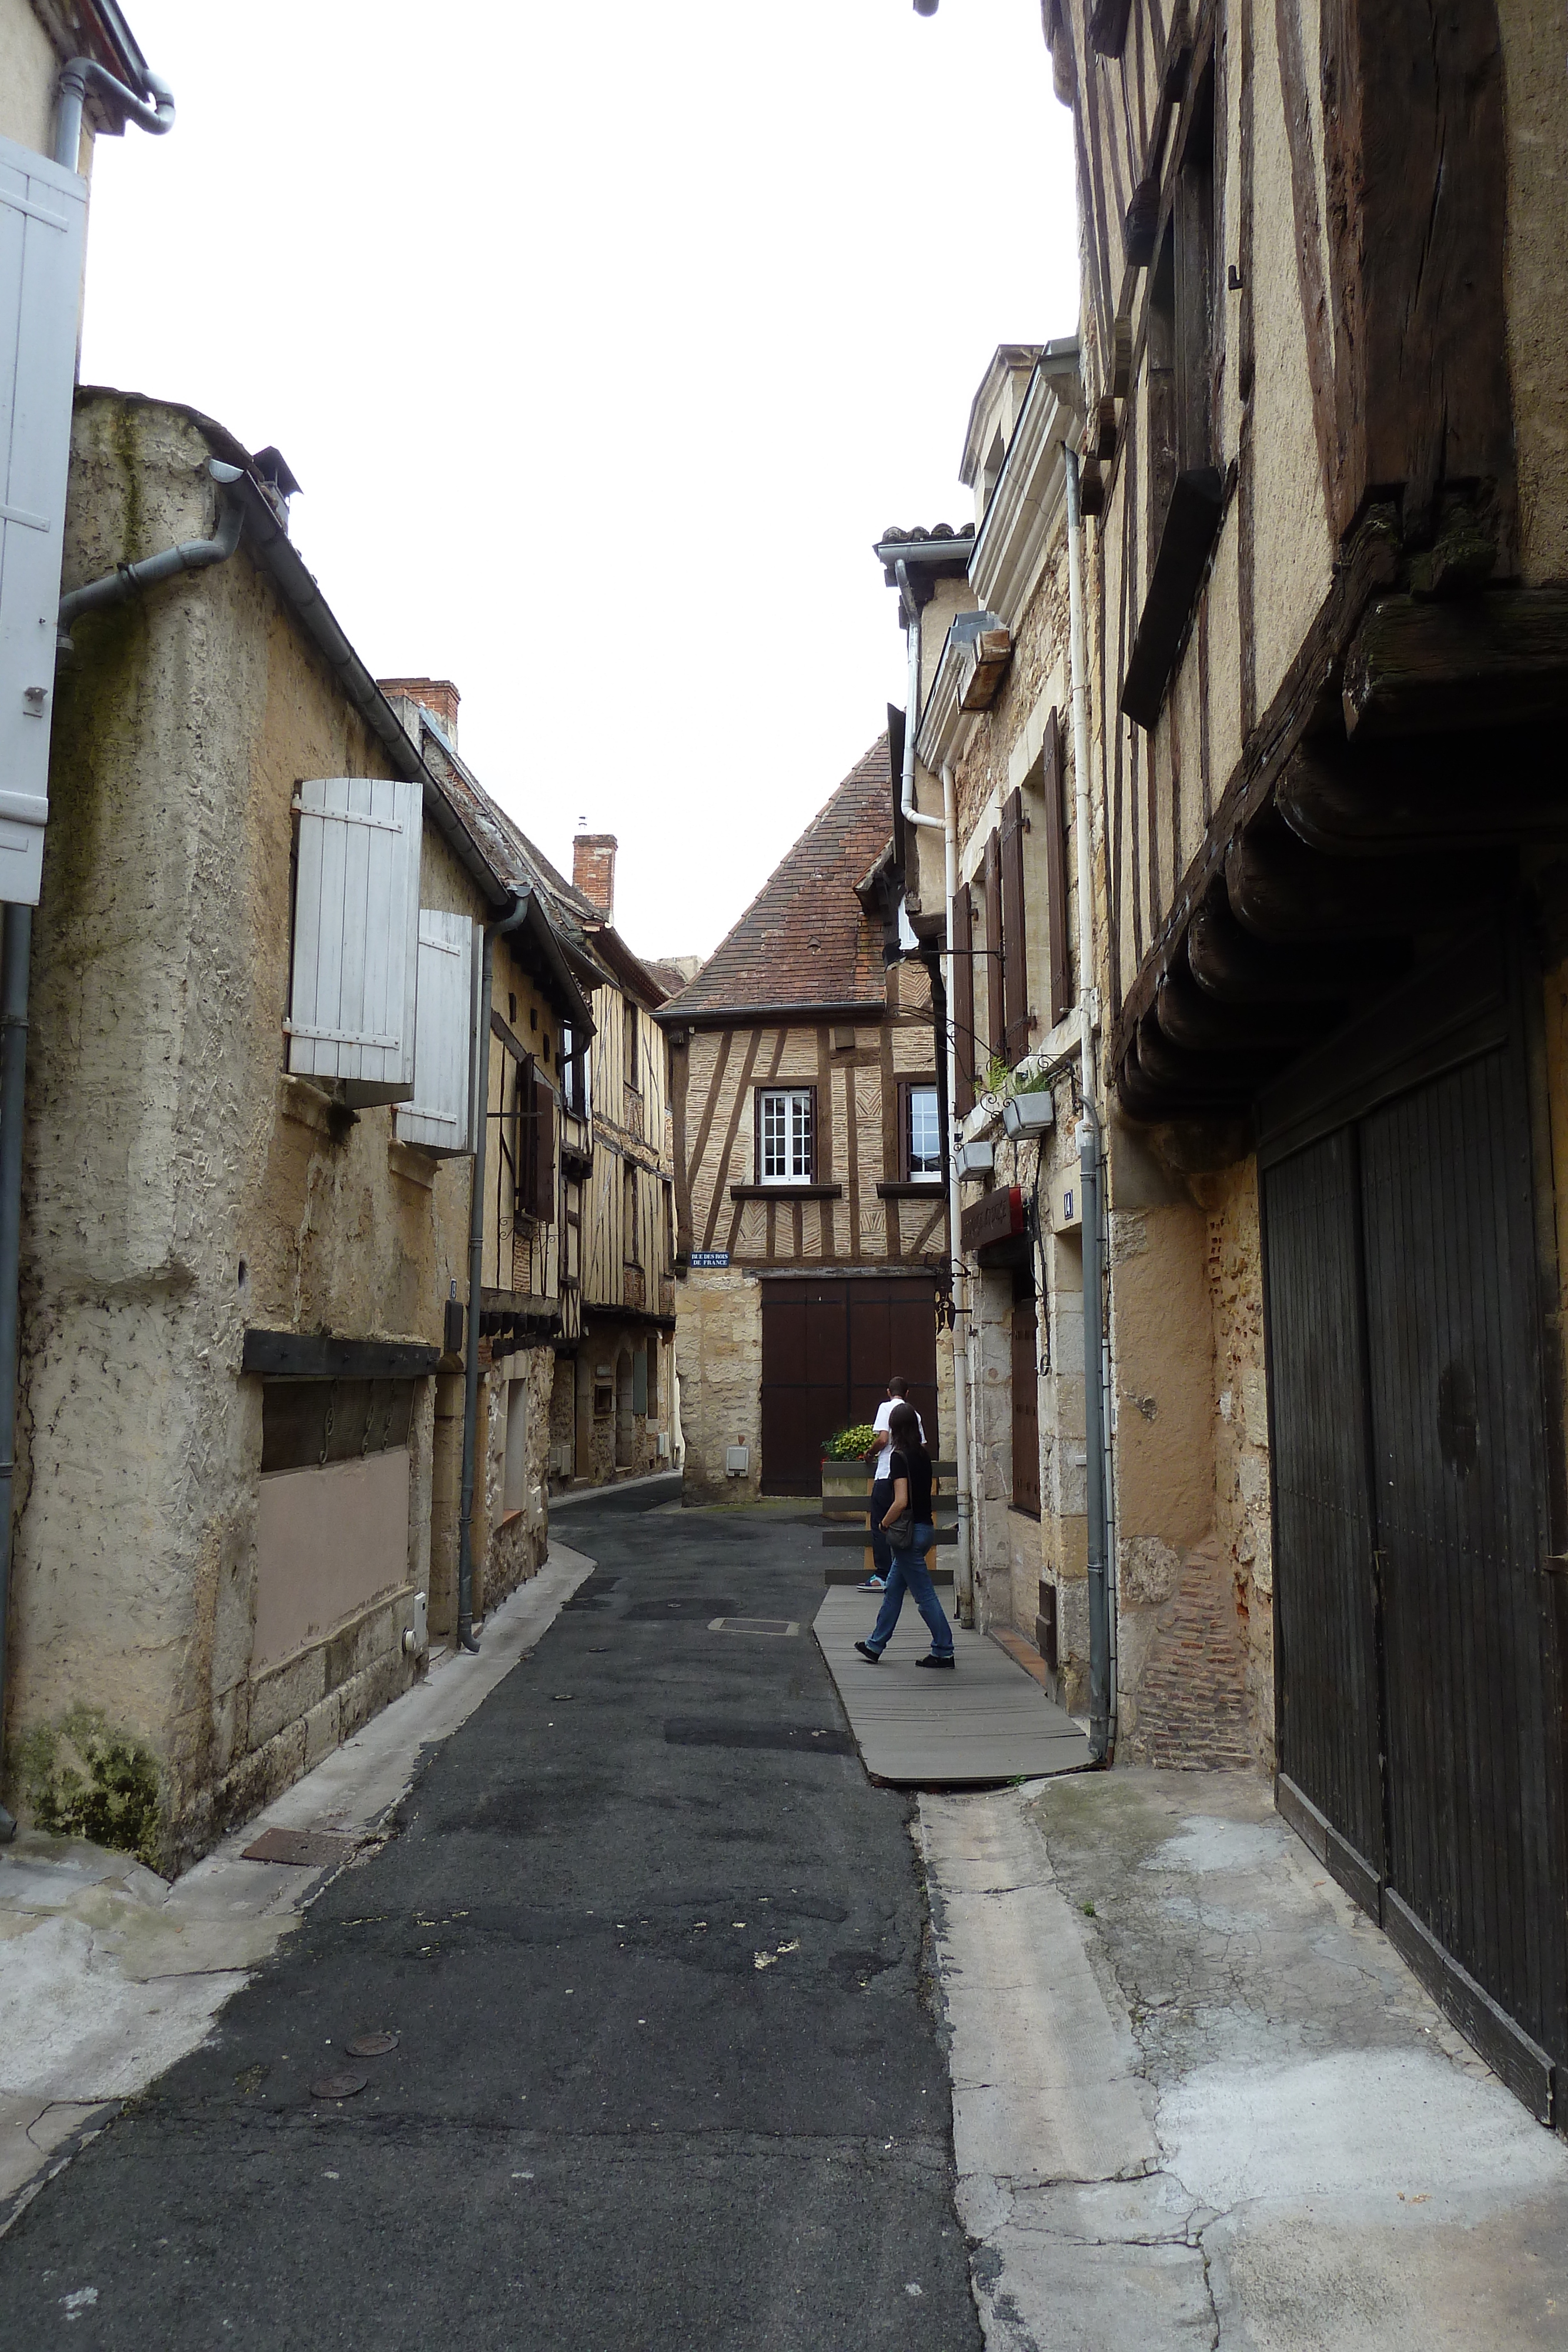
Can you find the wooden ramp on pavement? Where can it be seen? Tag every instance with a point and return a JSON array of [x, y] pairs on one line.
[[987, 1720]]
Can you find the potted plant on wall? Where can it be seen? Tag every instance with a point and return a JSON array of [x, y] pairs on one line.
[[1030, 1110]]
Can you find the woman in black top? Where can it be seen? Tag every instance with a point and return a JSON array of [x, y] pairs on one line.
[[911, 1474]]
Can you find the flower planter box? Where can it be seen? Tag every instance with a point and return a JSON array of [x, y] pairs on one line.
[[1030, 1114]]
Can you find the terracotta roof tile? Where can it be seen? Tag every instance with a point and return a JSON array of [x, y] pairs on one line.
[[805, 939]]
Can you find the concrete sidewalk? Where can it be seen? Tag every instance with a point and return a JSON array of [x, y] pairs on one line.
[[1199, 2100], [108, 1974]]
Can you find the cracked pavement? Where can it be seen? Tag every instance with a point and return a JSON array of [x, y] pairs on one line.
[[1199, 2100]]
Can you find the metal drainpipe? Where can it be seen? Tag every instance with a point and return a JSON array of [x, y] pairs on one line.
[[15, 957], [78, 75], [467, 1639], [1102, 1681], [191, 555], [964, 1566]]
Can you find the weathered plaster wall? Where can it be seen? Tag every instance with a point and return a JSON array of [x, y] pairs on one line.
[[719, 1337], [29, 72], [1537, 132], [1243, 1523], [178, 1186], [515, 1542]]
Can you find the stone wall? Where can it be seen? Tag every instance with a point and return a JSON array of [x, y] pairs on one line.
[[718, 1338], [179, 1187], [512, 1545]]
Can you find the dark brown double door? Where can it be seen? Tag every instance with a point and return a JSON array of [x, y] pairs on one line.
[[828, 1347], [1419, 1615]]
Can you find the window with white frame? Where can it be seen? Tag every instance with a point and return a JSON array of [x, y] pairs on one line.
[[921, 1136], [786, 1135]]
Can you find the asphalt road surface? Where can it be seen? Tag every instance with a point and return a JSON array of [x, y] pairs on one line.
[[667, 2072]]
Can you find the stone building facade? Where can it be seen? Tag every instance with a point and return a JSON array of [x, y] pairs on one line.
[[810, 1222], [1323, 465], [234, 1272]]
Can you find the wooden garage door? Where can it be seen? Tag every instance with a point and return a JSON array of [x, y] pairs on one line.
[[1419, 1680], [829, 1349]]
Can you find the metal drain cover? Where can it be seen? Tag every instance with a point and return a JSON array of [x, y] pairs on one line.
[[781, 1626], [339, 2086], [371, 2045], [310, 1847]]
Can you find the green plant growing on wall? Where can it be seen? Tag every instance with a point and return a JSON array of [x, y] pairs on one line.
[[997, 1081], [85, 1780], [850, 1445]]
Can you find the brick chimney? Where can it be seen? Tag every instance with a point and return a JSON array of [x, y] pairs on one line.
[[593, 870], [436, 694]]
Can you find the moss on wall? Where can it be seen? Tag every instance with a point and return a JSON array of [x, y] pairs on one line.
[[82, 1778]]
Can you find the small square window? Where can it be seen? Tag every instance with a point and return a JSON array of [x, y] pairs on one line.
[[786, 1135]]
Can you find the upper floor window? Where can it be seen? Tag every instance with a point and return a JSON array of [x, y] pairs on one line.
[[921, 1136], [786, 1135], [573, 1067], [631, 1238], [629, 1030]]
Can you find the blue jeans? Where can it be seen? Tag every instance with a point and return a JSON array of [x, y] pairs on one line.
[[881, 1550], [910, 1572]]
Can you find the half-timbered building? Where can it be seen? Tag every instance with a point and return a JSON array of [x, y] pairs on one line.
[[810, 1220], [614, 1411], [1327, 472]]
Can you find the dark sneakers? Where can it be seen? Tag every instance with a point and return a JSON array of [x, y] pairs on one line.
[[867, 1652], [933, 1660]]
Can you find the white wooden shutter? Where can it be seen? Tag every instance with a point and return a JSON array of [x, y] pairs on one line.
[[437, 1118], [356, 936], [43, 215]]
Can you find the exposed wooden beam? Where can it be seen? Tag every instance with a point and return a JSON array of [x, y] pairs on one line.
[[1282, 890], [1237, 968], [1196, 1023], [1419, 668], [1389, 798]]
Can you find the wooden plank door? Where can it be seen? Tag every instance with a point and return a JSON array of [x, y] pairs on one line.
[[1324, 1587], [1474, 1764], [805, 1389]]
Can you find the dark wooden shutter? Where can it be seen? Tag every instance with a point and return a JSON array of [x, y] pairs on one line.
[[995, 1017], [1055, 822], [1026, 1411], [962, 1010], [543, 1155], [1014, 956], [523, 1134]]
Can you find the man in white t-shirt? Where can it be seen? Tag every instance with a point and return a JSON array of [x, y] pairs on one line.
[[882, 1485]]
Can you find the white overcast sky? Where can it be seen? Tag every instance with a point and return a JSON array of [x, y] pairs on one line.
[[603, 337]]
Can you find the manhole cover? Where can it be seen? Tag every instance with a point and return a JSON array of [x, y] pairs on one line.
[[339, 2086], [560, 1698], [788, 1739], [679, 1608], [308, 1847], [783, 1627], [371, 2045]]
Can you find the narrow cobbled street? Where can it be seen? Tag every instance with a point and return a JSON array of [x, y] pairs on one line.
[[667, 2072]]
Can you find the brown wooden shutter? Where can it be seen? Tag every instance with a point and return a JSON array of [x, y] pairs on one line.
[[1055, 820], [961, 1012], [995, 1017], [1015, 953]]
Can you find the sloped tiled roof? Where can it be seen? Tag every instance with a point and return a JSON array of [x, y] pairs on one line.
[[805, 939]]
